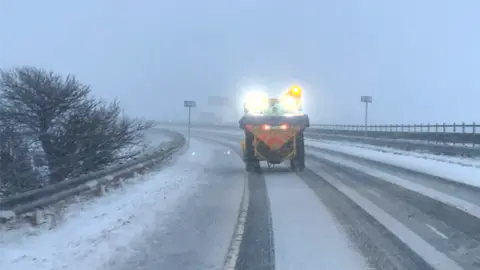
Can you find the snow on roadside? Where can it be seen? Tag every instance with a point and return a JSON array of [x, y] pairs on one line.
[[464, 161], [417, 142], [94, 230], [455, 172], [152, 140]]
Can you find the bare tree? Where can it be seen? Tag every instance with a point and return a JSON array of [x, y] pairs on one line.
[[96, 135], [16, 169], [35, 99], [77, 134]]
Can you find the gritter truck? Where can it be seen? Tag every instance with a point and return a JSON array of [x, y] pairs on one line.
[[274, 129]]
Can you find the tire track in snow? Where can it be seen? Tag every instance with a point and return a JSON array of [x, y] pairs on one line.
[[257, 247], [381, 248], [442, 184], [386, 242], [418, 213], [257, 250]]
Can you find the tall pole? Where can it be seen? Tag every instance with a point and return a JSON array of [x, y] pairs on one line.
[[189, 122], [189, 104], [366, 119], [366, 100]]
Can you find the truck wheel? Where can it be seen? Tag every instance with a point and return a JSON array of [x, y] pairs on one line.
[[252, 164], [293, 165], [299, 160]]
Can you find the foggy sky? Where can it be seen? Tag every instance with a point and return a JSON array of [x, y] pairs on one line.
[[419, 59]]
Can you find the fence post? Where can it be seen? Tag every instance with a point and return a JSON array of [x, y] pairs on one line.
[[454, 129], [473, 131]]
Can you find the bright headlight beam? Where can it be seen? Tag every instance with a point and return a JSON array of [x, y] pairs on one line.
[[289, 103], [256, 101]]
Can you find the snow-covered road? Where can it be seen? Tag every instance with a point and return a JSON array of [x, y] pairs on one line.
[[306, 236], [390, 214], [194, 233], [352, 208], [180, 217]]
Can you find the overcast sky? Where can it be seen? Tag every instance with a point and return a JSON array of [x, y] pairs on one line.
[[419, 59]]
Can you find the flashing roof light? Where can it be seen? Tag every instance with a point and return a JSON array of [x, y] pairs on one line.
[[295, 91]]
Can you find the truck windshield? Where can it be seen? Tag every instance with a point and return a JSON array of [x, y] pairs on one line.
[[275, 108]]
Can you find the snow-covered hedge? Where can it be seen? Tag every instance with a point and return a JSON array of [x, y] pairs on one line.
[[52, 130]]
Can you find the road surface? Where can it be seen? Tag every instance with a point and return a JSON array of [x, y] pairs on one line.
[[343, 212]]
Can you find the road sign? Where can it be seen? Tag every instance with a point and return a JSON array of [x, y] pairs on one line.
[[218, 101], [190, 103], [366, 99]]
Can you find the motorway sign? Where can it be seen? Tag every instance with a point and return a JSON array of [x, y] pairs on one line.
[[218, 101], [190, 103], [366, 99]]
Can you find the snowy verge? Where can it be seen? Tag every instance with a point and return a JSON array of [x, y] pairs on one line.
[[27, 202], [464, 161], [386, 139], [452, 171], [152, 140], [94, 230]]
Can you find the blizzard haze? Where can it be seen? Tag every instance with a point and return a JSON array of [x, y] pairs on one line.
[[419, 60]]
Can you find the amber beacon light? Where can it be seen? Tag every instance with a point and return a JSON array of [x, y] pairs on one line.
[[295, 91]]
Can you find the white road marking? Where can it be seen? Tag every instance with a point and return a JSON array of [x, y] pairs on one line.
[[432, 256], [374, 193], [436, 231], [458, 203]]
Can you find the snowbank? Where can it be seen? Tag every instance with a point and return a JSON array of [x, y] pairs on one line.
[[453, 171], [94, 230], [464, 161]]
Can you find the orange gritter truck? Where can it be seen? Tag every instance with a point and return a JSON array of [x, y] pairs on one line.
[[274, 130]]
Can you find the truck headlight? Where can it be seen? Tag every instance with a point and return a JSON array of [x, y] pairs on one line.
[[289, 103], [256, 101]]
